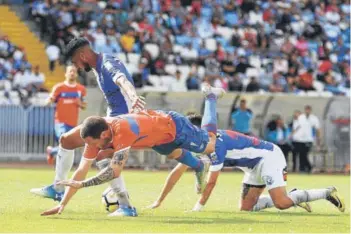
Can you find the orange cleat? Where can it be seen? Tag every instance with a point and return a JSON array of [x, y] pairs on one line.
[[49, 158]]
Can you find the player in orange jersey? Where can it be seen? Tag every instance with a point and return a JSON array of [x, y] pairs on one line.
[[167, 132], [69, 98]]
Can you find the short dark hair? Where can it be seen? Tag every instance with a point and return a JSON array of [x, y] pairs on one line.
[[74, 45], [195, 119], [93, 127], [308, 107]]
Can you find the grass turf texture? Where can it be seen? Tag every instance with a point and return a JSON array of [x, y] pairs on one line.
[[19, 210]]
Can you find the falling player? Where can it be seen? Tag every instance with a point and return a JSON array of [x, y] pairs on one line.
[[168, 133], [118, 88], [264, 165]]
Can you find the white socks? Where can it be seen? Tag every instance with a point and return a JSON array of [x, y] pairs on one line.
[[263, 202], [297, 196], [117, 184], [119, 187], [64, 163]]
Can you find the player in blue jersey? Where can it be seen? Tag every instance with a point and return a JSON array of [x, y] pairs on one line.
[[118, 88], [264, 165]]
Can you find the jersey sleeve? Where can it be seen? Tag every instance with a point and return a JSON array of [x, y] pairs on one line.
[[90, 152], [217, 158], [84, 92], [55, 93], [115, 69]]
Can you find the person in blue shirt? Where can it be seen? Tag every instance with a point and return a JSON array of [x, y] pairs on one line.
[[113, 79], [278, 133], [264, 166], [241, 118]]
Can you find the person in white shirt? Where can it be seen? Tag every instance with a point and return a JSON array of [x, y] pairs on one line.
[[178, 85], [100, 40], [21, 79], [53, 53], [302, 136], [37, 80]]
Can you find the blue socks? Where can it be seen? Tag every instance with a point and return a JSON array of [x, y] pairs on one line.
[[188, 159], [209, 119]]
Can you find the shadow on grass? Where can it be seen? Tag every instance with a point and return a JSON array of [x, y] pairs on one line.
[[278, 213], [168, 219]]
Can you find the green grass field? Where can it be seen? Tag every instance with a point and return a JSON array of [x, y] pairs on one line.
[[19, 210]]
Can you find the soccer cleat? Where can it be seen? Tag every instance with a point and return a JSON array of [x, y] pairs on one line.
[[335, 199], [200, 177], [49, 157], [124, 211], [208, 90], [48, 192], [304, 205]]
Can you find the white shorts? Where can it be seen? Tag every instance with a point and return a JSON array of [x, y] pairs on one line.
[[271, 170]]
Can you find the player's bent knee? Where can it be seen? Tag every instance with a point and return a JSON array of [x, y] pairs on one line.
[[281, 205], [64, 141]]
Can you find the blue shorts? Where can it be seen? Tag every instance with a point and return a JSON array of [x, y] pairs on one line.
[[188, 136], [61, 128]]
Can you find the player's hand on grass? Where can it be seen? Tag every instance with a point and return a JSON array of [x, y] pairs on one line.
[[154, 205], [138, 104], [71, 183], [56, 210]]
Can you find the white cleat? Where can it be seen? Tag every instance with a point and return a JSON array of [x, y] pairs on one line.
[[208, 90]]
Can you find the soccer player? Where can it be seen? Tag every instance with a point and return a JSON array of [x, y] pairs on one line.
[[168, 133], [69, 98], [264, 166], [118, 88]]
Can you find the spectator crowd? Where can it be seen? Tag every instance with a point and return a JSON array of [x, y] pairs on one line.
[[16, 73], [268, 46]]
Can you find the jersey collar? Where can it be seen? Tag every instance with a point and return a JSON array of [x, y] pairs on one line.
[[99, 63]]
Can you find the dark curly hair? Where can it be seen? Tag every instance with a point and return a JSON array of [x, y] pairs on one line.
[[195, 119], [74, 45]]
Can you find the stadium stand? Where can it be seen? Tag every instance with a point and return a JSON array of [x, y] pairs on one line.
[[259, 39]]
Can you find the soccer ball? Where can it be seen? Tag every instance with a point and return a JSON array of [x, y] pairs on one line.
[[109, 200]]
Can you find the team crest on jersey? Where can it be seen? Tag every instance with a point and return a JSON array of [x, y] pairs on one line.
[[213, 157], [268, 180]]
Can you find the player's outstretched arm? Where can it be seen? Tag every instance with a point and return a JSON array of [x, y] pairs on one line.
[[211, 183], [78, 175], [110, 172], [171, 180], [138, 102]]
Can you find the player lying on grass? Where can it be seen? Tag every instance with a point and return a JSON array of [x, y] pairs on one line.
[[118, 88], [264, 165], [168, 133]]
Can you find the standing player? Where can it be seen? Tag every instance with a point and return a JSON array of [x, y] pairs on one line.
[[118, 88], [69, 98], [168, 133], [264, 166]]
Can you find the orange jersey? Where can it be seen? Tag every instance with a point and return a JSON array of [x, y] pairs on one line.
[[67, 98], [142, 130]]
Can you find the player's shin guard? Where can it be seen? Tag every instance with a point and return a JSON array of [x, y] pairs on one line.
[[209, 119], [299, 196], [119, 187], [64, 163], [263, 202], [116, 184], [192, 161]]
